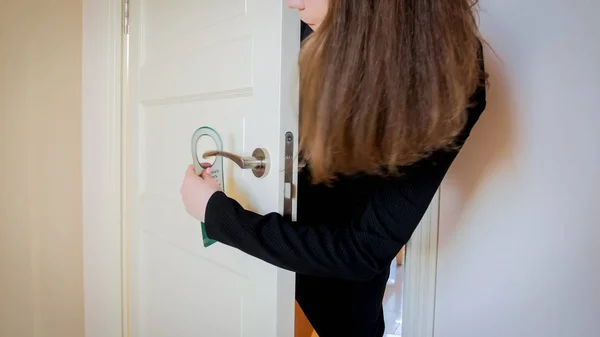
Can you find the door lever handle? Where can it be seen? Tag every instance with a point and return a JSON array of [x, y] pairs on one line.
[[258, 162]]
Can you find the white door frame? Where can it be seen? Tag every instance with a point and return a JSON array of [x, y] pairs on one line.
[[104, 291], [104, 235]]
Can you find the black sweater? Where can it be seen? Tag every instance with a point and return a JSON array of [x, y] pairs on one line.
[[344, 239]]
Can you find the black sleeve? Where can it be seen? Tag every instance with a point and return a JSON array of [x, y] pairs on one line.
[[358, 250]]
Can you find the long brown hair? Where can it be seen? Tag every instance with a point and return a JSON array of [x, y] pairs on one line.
[[383, 83]]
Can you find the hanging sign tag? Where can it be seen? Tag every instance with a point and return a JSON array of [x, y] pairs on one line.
[[207, 139]]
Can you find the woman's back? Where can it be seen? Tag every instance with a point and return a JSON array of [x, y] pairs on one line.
[[383, 213]]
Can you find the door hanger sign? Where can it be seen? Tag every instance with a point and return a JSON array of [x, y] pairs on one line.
[[207, 139]]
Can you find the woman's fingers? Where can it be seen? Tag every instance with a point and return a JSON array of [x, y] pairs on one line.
[[207, 168]]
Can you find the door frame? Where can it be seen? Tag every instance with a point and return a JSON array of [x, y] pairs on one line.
[[104, 229]]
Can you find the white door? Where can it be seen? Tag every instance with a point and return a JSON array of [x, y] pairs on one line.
[[229, 65]]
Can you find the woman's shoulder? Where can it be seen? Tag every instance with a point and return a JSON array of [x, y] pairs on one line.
[[478, 101]]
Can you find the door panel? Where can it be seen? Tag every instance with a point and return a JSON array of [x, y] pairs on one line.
[[229, 65]]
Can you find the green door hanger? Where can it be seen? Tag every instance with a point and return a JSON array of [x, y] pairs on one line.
[[208, 135]]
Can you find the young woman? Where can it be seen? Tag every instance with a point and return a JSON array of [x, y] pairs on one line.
[[390, 90]]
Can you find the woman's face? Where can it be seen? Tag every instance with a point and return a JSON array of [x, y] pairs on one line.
[[312, 12]]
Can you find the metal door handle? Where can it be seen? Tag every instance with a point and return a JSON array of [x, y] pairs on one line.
[[258, 162]]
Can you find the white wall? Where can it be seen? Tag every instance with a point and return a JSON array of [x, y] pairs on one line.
[[41, 284], [520, 233]]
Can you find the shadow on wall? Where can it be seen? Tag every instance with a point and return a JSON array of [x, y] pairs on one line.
[[489, 147]]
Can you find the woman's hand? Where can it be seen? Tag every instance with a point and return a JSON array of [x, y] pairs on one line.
[[197, 190]]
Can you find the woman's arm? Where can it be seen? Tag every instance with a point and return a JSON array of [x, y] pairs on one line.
[[358, 250]]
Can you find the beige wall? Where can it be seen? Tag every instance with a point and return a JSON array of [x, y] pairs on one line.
[[520, 210], [41, 290]]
